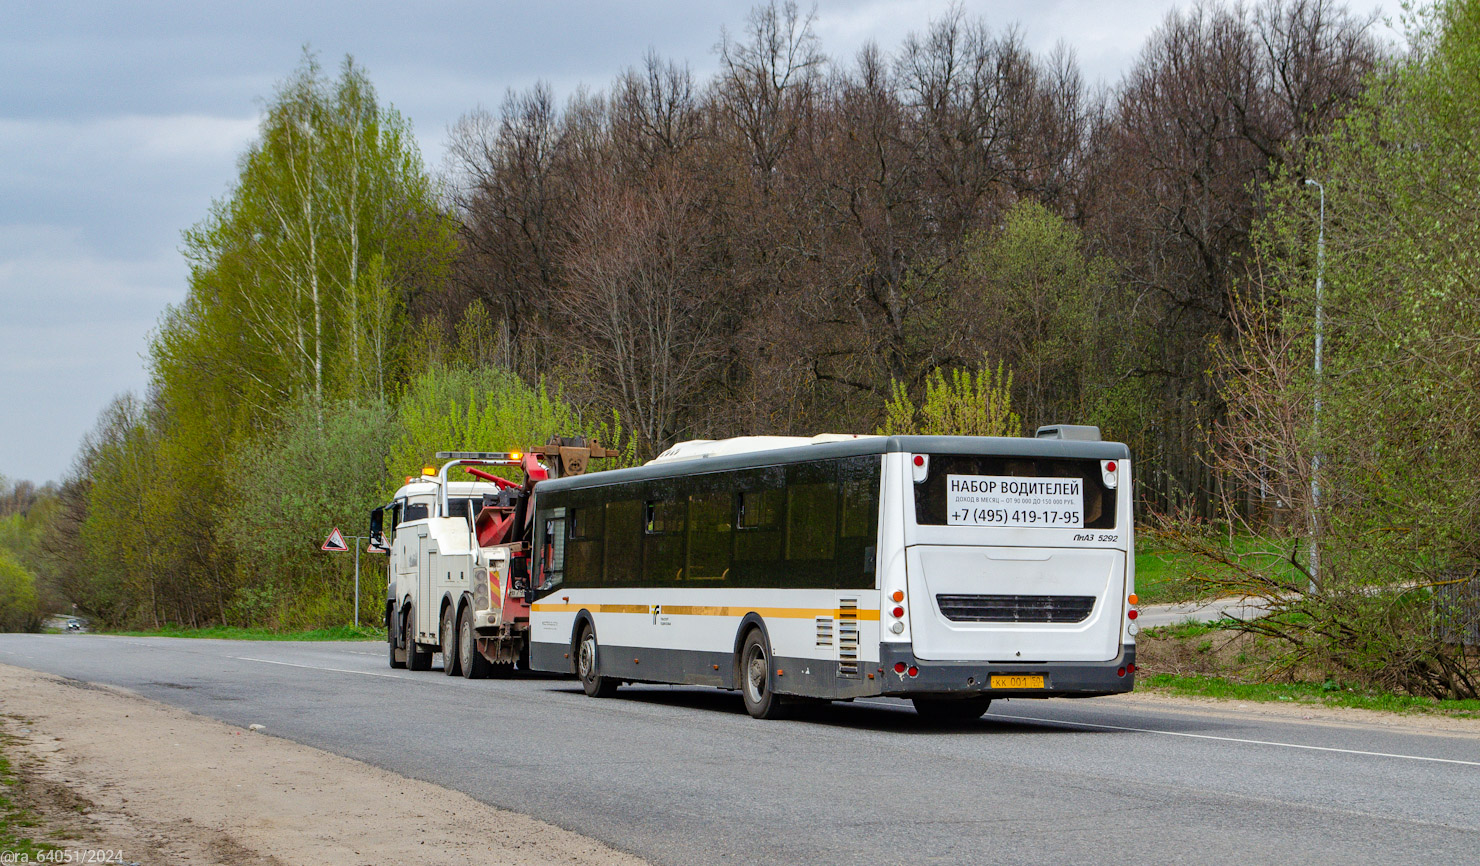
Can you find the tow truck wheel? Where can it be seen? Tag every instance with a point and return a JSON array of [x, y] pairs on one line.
[[951, 709], [451, 659], [417, 659], [398, 656], [588, 667], [474, 665], [756, 683]]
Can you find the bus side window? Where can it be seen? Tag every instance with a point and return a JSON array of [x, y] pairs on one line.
[[585, 545], [709, 536], [860, 508], [811, 520], [622, 559], [760, 509], [757, 532], [859, 523], [663, 541], [552, 572]]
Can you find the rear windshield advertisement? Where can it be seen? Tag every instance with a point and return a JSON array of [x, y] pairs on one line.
[[1002, 500]]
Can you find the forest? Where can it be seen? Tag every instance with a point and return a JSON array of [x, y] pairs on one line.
[[952, 234]]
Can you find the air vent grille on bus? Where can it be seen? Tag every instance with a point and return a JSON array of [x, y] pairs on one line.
[[848, 637], [1015, 608], [824, 631]]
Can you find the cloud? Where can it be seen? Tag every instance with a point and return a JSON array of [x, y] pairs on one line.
[[54, 380], [48, 274], [33, 146], [73, 325]]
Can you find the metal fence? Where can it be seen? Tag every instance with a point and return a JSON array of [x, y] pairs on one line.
[[1458, 608]]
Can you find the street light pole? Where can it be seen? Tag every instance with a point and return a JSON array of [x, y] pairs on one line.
[[1315, 463]]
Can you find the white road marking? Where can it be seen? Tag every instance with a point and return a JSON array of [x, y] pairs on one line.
[[318, 668], [1236, 740]]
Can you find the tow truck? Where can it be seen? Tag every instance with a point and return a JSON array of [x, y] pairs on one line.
[[457, 575]]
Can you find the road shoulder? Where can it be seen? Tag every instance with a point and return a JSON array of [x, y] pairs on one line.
[[113, 771], [1408, 723]]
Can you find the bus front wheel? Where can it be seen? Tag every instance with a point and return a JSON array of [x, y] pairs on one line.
[[756, 683], [588, 667]]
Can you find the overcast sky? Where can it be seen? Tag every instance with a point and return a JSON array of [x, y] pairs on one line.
[[120, 122]]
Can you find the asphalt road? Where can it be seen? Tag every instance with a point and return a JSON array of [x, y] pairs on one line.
[[683, 776], [1153, 615]]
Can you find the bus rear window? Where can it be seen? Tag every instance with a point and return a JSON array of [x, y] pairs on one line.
[[1042, 491]]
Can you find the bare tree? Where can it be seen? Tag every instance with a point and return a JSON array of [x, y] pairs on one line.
[[644, 304], [655, 111], [768, 82], [511, 200]]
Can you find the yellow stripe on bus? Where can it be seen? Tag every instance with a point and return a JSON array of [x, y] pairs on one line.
[[696, 610]]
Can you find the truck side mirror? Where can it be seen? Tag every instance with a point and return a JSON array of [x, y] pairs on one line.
[[377, 530]]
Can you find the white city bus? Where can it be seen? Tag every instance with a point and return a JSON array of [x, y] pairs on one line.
[[948, 570]]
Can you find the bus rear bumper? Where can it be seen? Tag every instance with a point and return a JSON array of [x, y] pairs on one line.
[[975, 679]]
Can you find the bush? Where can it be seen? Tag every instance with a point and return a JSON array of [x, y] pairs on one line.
[[287, 491], [969, 403], [19, 609], [486, 409]]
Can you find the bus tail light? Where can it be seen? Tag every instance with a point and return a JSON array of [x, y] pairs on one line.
[[898, 595], [1120, 671], [1108, 473], [1133, 599], [920, 466], [897, 612], [899, 667], [1132, 614], [1130, 668], [914, 671]]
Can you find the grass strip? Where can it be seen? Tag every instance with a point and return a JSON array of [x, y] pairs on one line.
[[1329, 694], [223, 632], [15, 822]]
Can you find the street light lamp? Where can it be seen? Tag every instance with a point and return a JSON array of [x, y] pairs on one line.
[[1315, 463]]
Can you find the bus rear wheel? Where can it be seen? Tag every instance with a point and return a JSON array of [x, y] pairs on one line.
[[588, 666], [474, 665], [451, 659], [951, 709], [756, 683], [417, 659]]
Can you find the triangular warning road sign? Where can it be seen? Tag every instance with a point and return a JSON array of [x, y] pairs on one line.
[[335, 542]]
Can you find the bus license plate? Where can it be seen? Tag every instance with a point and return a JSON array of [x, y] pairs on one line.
[[1034, 681]]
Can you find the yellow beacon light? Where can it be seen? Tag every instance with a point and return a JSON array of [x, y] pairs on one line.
[[428, 470]]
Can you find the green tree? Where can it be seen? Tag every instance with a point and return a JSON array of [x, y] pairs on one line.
[[1398, 437], [1046, 296], [286, 491], [297, 298], [968, 403], [487, 409], [299, 277], [18, 605]]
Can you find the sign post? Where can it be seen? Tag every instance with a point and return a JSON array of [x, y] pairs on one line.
[[337, 543]]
